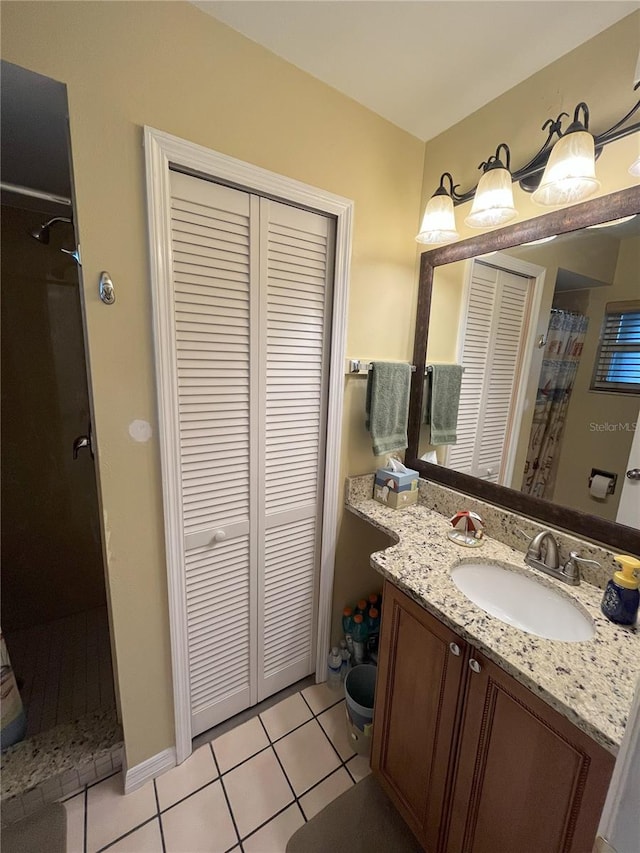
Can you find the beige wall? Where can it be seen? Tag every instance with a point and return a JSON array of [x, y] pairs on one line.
[[583, 446], [171, 66]]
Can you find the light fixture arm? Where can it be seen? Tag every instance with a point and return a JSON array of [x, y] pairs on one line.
[[529, 175], [452, 187]]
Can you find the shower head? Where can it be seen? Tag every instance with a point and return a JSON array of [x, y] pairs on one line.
[[42, 233]]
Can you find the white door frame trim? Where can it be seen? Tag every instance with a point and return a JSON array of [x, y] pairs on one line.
[[161, 150]]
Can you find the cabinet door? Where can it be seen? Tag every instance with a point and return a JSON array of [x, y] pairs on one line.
[[420, 671], [527, 779]]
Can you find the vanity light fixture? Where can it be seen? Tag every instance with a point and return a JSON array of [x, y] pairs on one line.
[[570, 173], [439, 221], [493, 201], [561, 172]]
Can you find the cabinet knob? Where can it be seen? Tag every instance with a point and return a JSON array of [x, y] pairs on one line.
[[474, 665], [454, 649], [219, 536]]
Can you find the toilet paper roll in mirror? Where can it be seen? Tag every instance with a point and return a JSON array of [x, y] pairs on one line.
[[599, 487]]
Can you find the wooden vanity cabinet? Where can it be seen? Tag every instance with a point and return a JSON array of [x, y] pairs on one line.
[[474, 761]]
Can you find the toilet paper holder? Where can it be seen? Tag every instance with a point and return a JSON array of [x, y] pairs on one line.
[[609, 475]]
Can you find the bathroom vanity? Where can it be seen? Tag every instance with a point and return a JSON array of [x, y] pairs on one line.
[[486, 737]]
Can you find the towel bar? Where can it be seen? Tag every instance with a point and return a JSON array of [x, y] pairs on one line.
[[360, 366]]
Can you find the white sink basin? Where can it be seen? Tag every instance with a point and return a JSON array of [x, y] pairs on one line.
[[520, 600]]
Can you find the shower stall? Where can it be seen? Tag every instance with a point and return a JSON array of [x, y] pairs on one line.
[[54, 615]]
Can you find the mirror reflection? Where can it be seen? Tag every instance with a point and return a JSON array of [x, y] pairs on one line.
[[547, 337]]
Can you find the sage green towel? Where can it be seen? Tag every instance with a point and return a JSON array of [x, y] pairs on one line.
[[443, 400], [388, 387]]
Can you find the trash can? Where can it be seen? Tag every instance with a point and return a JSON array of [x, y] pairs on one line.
[[360, 689]]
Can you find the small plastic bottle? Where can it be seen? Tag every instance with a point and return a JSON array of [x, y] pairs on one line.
[[621, 597], [334, 662], [360, 634], [347, 627], [362, 606], [346, 660], [373, 626], [374, 600]]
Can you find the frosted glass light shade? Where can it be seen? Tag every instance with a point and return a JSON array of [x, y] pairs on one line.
[[634, 168], [439, 221], [493, 201], [570, 173]]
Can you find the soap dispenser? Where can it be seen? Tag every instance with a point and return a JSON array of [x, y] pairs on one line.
[[621, 597]]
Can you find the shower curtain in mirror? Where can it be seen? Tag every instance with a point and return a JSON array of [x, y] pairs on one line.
[[565, 339]]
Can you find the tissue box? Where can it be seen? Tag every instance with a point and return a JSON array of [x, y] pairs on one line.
[[397, 481], [396, 500], [394, 487]]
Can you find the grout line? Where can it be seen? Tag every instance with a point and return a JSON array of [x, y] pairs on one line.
[[349, 772], [340, 758], [328, 708], [273, 817], [295, 797], [190, 794], [104, 778], [128, 833], [244, 760], [226, 796], [155, 791]]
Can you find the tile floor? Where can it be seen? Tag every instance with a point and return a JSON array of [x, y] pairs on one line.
[[247, 790]]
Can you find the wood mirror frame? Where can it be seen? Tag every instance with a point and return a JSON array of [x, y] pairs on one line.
[[623, 203]]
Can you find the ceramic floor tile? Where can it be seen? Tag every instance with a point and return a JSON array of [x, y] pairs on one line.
[[359, 766], [110, 813], [273, 837], [285, 716], [334, 722], [146, 839], [199, 824], [325, 792], [177, 783], [257, 790], [320, 697], [306, 756], [75, 823], [235, 746]]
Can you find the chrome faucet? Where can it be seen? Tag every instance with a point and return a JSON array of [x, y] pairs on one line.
[[543, 554]]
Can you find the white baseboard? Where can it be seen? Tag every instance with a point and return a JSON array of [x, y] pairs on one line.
[[135, 777]]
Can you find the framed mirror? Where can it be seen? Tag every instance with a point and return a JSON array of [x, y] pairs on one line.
[[534, 286]]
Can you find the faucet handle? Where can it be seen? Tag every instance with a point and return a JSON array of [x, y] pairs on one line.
[[572, 567]]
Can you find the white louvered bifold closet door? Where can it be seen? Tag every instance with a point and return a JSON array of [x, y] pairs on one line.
[[252, 291], [493, 341], [297, 261]]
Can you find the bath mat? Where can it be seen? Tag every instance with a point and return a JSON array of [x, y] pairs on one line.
[[359, 821], [45, 829]]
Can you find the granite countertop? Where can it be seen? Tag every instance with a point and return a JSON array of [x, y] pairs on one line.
[[591, 682]]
